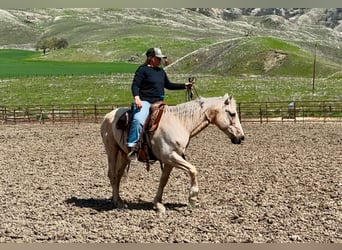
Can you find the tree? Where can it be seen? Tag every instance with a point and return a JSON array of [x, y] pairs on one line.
[[62, 43], [52, 43], [43, 44]]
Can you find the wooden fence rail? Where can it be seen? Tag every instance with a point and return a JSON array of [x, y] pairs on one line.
[[248, 112]]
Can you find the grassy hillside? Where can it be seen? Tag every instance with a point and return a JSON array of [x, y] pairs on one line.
[[238, 57], [266, 56], [122, 49], [118, 35]]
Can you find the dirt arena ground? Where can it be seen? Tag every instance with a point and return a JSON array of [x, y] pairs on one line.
[[283, 184]]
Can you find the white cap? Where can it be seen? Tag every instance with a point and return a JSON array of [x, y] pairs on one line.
[[155, 52]]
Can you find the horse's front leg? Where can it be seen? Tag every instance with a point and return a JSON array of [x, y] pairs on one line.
[[180, 162], [163, 181]]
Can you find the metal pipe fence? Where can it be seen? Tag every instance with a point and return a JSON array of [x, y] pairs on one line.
[[262, 112], [75, 113], [293, 111]]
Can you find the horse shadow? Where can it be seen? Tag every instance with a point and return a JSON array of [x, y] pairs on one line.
[[103, 205]]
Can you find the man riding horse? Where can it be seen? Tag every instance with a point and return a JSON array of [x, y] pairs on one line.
[[148, 86], [175, 128]]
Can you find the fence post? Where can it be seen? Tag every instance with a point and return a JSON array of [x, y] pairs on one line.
[[95, 113], [260, 112], [14, 117], [73, 113], [294, 111], [266, 113], [53, 114], [324, 112], [26, 113], [41, 115], [78, 114], [5, 114]]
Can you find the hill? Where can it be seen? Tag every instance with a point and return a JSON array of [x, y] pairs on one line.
[[223, 41]]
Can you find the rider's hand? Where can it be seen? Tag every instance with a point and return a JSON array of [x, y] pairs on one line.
[[189, 85], [138, 102]]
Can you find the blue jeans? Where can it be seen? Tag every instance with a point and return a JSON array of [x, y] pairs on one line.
[[139, 118]]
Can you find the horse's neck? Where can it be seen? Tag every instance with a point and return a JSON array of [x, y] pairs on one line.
[[191, 115]]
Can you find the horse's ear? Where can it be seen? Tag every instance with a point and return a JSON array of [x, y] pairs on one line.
[[227, 99]]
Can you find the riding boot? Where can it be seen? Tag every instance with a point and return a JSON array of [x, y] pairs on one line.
[[133, 154]]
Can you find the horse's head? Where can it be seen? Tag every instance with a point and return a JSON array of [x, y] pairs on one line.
[[224, 115]]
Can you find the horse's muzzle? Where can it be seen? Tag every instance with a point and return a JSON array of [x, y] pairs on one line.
[[237, 140]]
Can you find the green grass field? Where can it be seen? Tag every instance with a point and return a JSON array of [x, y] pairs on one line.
[[115, 89], [19, 63]]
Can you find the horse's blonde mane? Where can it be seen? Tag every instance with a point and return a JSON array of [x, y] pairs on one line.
[[191, 112], [187, 113]]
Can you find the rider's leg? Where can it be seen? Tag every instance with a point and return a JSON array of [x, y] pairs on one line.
[[139, 118]]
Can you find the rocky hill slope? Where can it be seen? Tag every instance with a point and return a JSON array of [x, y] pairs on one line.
[[331, 18], [23, 27]]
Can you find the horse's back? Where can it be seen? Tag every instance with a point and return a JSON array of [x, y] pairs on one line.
[[113, 116]]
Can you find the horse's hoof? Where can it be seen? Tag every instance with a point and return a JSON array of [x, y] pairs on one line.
[[194, 203], [160, 208], [120, 204]]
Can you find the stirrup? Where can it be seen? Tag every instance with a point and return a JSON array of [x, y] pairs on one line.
[[133, 155]]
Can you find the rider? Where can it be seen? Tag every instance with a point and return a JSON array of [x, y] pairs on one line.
[[148, 87]]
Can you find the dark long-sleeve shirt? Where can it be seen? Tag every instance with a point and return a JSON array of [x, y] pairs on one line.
[[149, 83]]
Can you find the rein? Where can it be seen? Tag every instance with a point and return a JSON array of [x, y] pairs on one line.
[[189, 94], [189, 97]]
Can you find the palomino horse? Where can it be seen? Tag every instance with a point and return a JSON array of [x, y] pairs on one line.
[[178, 124]]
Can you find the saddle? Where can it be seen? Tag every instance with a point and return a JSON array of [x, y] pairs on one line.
[[151, 124]]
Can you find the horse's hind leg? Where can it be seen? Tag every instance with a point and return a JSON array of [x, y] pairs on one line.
[[163, 180], [112, 154], [116, 164], [121, 164]]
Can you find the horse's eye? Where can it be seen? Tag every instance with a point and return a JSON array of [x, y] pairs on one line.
[[231, 114]]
